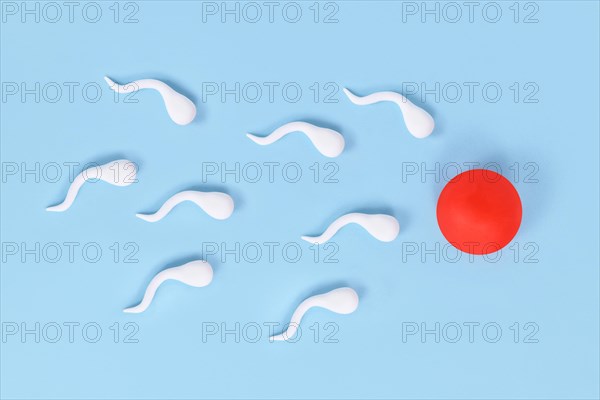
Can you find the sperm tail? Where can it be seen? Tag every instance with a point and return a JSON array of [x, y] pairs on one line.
[[331, 229], [377, 97], [287, 334], [111, 83], [127, 88], [353, 98], [271, 138], [149, 217], [294, 321], [217, 205], [148, 295], [164, 209], [262, 140], [71, 194], [282, 131]]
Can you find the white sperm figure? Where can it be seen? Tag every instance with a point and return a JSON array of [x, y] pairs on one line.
[[341, 301], [328, 142], [216, 204], [418, 121], [118, 173], [381, 226], [181, 109], [197, 273]]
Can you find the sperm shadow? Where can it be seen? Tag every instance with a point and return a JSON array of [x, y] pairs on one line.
[[374, 210], [213, 260], [404, 219], [108, 158]]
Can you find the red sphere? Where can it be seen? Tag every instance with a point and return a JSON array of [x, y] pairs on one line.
[[479, 211]]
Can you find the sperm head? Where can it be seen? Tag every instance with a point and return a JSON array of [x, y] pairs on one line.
[[331, 143], [383, 227], [218, 205], [197, 273], [418, 121], [342, 301], [119, 172], [181, 109]]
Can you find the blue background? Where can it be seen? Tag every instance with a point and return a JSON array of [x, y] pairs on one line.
[[370, 48]]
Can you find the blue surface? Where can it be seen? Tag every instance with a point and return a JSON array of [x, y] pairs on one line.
[[370, 48]]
